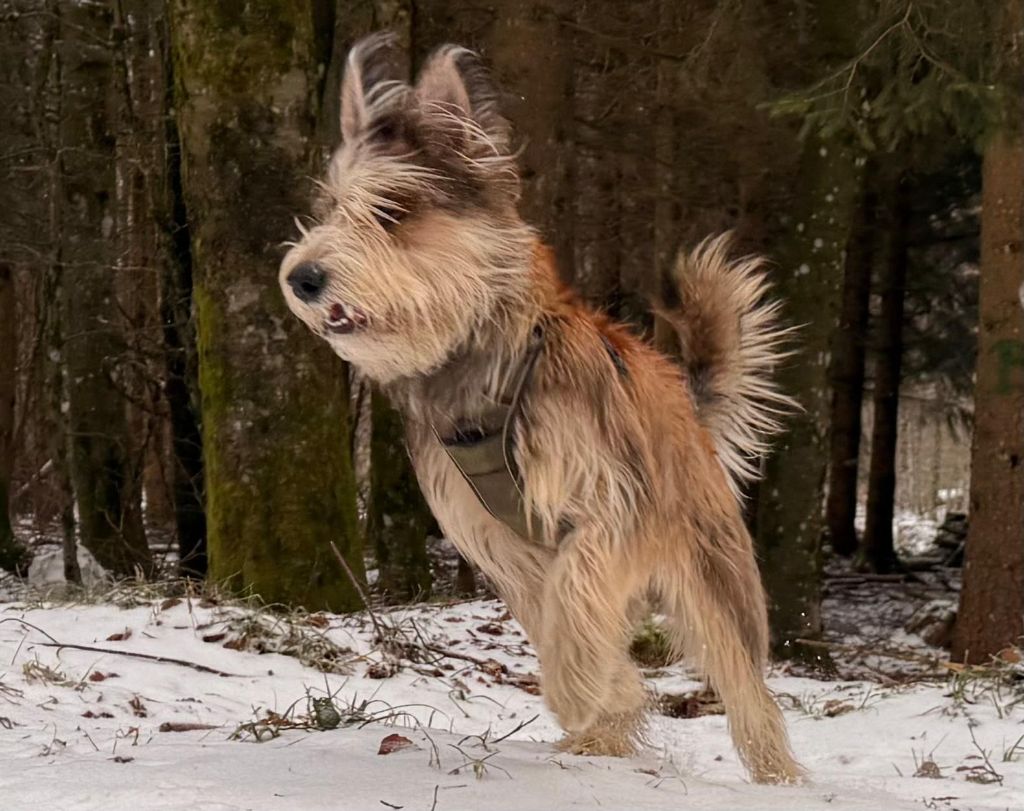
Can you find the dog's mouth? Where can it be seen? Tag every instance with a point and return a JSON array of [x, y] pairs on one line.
[[344, 319]]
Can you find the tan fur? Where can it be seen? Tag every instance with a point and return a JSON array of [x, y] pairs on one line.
[[638, 465]]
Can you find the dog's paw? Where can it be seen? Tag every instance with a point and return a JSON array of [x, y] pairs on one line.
[[610, 736]]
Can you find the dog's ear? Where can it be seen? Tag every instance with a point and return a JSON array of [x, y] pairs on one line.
[[372, 72], [454, 84]]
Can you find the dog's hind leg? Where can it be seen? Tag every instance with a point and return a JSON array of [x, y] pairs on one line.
[[716, 611], [587, 677]]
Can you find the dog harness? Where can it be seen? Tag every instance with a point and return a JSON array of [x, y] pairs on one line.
[[487, 460]]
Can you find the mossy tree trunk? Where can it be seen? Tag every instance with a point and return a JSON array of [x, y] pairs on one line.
[[106, 482], [810, 258], [279, 481], [791, 497], [399, 518]]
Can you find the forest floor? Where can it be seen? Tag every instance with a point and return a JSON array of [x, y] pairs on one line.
[[894, 727]]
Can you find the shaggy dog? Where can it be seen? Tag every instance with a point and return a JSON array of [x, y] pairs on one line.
[[585, 473]]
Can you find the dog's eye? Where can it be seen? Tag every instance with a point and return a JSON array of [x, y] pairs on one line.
[[388, 216]]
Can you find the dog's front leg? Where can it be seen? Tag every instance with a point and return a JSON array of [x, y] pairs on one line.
[[586, 673]]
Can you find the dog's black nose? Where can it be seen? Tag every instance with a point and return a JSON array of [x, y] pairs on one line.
[[307, 281]]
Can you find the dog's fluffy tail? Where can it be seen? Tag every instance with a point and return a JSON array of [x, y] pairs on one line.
[[731, 341]]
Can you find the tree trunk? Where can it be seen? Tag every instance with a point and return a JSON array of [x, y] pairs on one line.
[[846, 372], [790, 499], [56, 389], [878, 547], [279, 482], [991, 613], [399, 518], [181, 365], [533, 63], [465, 578], [13, 555], [107, 485]]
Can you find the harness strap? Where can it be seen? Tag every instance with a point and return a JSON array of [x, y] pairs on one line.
[[487, 461]]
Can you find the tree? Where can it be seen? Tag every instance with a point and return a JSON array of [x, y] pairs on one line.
[[106, 482], [13, 555], [810, 258], [878, 547], [790, 498], [173, 256], [846, 371], [279, 482], [991, 615], [399, 518]]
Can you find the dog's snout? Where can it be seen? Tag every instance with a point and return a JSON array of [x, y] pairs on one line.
[[307, 281]]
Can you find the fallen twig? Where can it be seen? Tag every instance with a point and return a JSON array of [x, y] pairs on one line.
[[149, 657], [377, 625], [880, 651]]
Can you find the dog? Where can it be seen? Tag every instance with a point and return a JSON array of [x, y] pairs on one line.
[[585, 473]]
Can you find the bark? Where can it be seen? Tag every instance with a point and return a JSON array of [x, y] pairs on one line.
[[846, 372], [991, 613], [790, 499], [533, 63], [180, 358], [465, 578], [56, 390], [278, 475], [597, 266], [878, 547], [399, 518], [107, 484], [13, 555]]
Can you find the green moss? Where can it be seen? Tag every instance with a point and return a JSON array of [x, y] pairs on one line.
[[651, 646]]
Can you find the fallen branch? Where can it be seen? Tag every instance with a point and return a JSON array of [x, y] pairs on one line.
[[905, 656], [465, 657], [149, 657]]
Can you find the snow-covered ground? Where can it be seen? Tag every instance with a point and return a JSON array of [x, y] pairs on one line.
[[81, 729]]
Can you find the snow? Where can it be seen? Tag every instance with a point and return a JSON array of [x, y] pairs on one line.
[[862, 742], [913, 534]]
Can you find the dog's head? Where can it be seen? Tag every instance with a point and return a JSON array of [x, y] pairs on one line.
[[416, 240]]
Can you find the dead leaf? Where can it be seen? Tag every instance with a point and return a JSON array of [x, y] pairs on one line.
[[381, 670], [170, 602], [96, 675], [491, 628], [120, 636], [691, 705], [835, 707], [493, 668], [103, 714], [122, 759], [138, 708], [394, 743], [215, 637]]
